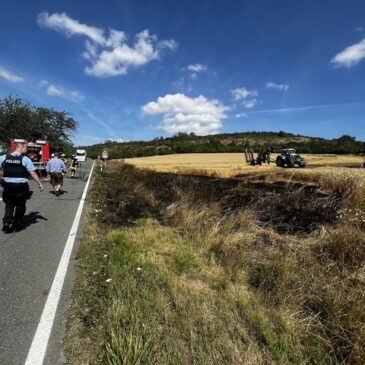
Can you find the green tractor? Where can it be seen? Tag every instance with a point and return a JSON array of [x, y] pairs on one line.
[[290, 158]]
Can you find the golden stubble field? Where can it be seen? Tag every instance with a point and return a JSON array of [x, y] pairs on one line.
[[232, 164]]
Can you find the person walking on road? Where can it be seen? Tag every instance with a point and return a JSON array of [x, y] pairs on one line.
[[55, 169], [64, 158], [16, 169], [74, 164]]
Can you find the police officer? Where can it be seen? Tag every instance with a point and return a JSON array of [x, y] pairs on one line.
[[16, 169]]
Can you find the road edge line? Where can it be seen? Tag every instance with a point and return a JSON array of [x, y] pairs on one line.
[[39, 344]]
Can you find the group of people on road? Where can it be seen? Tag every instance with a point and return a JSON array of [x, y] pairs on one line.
[[16, 169]]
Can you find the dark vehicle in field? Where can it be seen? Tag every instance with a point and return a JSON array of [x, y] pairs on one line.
[[290, 158], [263, 156]]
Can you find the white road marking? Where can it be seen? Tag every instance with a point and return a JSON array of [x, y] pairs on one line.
[[39, 345]]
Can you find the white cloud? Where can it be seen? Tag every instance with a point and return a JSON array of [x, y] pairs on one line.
[[108, 55], [184, 114], [295, 109], [55, 90], [8, 76], [242, 93], [249, 104], [350, 56], [116, 38], [170, 44], [60, 91], [197, 68], [64, 24], [240, 115], [273, 85], [91, 51], [119, 59]]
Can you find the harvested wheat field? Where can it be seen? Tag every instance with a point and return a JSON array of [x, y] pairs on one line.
[[230, 164]]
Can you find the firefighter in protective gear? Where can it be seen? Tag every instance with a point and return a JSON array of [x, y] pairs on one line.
[[16, 169], [73, 165], [64, 158]]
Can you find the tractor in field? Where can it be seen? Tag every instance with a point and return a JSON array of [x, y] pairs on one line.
[[290, 158]]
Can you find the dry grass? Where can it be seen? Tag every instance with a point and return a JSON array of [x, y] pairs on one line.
[[228, 164], [350, 183], [210, 277]]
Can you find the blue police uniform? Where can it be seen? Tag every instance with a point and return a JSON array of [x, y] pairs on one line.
[[16, 169]]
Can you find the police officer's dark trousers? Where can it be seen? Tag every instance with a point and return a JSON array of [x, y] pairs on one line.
[[15, 197]]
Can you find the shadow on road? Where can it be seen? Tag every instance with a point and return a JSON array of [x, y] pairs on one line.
[[33, 218], [61, 192]]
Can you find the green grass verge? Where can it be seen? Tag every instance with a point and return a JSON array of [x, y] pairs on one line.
[[154, 300]]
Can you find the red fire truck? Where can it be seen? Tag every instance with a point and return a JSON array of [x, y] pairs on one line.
[[38, 151]]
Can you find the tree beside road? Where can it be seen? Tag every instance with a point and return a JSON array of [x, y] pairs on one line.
[[20, 119]]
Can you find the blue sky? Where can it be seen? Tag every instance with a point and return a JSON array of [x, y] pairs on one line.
[[135, 70]]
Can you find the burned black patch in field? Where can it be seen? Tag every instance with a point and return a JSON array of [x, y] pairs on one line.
[[297, 209], [286, 207]]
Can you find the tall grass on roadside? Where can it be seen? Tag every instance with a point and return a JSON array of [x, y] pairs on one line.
[[191, 270]]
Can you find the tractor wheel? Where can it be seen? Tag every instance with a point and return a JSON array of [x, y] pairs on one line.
[[291, 163]]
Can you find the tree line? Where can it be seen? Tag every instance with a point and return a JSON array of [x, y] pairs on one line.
[[20, 119], [235, 142]]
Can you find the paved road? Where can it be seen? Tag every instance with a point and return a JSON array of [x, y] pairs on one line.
[[28, 263]]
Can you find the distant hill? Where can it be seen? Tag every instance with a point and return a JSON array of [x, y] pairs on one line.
[[233, 142]]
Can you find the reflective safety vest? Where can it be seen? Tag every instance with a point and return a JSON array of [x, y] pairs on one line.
[[74, 164], [13, 166]]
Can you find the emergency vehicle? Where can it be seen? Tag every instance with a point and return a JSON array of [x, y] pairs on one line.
[[81, 155], [38, 151]]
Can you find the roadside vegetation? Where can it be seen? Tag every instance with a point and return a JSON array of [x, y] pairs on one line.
[[198, 270]]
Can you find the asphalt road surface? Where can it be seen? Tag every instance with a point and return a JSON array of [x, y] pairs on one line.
[[28, 263]]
